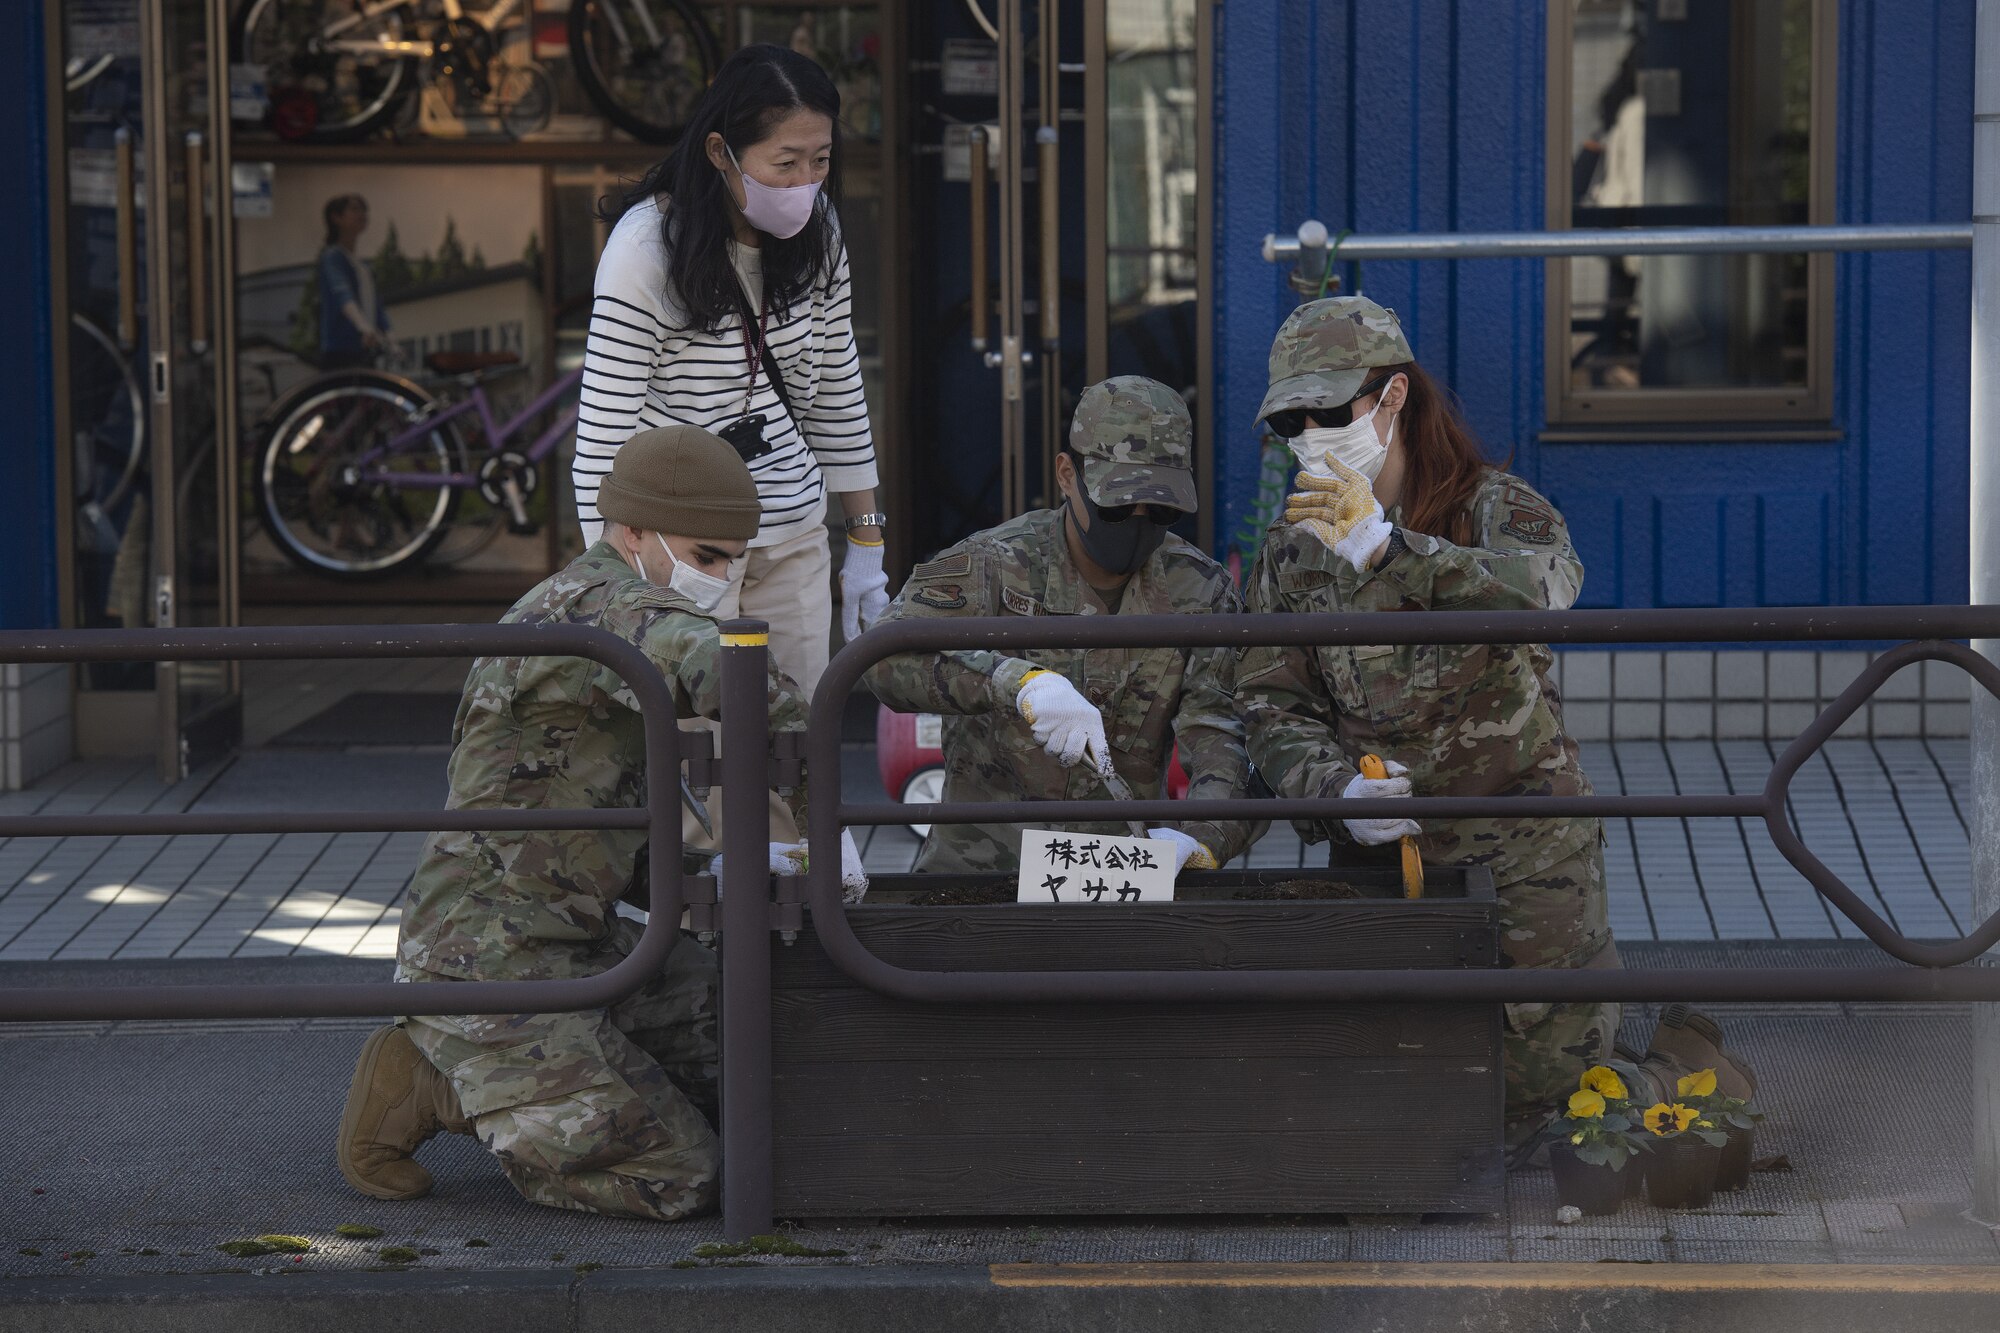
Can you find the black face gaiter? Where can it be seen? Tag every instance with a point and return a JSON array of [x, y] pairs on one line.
[[1119, 548]]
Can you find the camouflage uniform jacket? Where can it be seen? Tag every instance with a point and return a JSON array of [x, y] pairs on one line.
[[544, 732], [1474, 720], [1150, 697]]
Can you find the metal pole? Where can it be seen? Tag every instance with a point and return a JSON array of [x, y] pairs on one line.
[[1985, 451], [1635, 241], [746, 931], [1013, 353]]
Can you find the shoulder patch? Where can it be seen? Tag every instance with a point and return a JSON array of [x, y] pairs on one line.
[[958, 564], [942, 596], [1020, 603], [1528, 516]]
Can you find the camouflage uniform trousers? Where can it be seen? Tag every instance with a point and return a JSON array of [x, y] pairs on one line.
[[1548, 1045], [602, 1111]]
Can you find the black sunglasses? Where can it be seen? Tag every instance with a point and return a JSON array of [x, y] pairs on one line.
[[1159, 514], [1288, 424]]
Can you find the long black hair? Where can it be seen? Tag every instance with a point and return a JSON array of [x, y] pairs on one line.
[[754, 90]]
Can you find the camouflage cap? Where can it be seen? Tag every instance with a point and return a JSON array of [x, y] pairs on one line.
[[1135, 438], [1322, 354]]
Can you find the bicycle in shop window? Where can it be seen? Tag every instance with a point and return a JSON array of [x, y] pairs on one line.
[[361, 473], [340, 70]]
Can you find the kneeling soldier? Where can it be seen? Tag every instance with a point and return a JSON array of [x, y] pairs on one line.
[[605, 1111], [1082, 723]]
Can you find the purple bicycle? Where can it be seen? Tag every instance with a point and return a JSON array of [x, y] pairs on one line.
[[362, 471]]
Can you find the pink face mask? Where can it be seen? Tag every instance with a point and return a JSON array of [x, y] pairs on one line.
[[779, 210]]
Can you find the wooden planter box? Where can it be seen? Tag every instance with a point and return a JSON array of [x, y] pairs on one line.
[[885, 1107]]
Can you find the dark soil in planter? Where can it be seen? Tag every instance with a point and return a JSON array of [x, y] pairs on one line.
[[1733, 1171], [965, 895], [1682, 1173], [1300, 889], [1597, 1190]]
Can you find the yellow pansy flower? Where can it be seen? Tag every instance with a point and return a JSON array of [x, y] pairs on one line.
[[1585, 1105], [1604, 1082], [1700, 1084], [1663, 1119]]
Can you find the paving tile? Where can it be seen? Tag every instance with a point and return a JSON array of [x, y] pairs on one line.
[[1739, 674], [1791, 674], [1586, 674], [1690, 675], [1637, 675], [1635, 720]]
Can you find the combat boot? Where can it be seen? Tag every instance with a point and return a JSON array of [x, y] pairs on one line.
[[1684, 1043], [397, 1102]]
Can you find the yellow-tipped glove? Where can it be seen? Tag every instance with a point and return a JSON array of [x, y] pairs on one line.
[[1341, 511]]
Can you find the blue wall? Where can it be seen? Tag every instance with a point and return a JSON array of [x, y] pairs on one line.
[[27, 536], [1429, 116]]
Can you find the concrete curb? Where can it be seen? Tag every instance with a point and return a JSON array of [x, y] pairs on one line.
[[1141, 1298]]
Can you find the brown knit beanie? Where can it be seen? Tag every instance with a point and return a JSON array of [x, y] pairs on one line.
[[682, 481]]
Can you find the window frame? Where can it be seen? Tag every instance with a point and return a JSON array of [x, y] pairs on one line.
[[1568, 407]]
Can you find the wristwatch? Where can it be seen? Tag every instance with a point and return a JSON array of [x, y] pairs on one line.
[[864, 521]]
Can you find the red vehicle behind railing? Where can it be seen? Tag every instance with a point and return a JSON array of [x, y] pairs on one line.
[[909, 754]]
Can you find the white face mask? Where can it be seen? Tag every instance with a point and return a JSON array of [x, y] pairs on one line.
[[705, 591], [1356, 445]]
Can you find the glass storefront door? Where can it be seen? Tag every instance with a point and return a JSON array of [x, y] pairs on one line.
[[147, 395]]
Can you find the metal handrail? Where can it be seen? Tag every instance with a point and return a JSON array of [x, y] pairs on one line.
[[1615, 241], [661, 820], [1928, 626]]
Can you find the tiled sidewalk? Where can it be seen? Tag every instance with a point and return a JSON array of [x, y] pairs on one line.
[[1887, 815]]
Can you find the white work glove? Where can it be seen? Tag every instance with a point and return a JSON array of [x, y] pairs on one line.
[[864, 589], [853, 879], [1065, 723], [1375, 832], [1187, 852], [1342, 511]]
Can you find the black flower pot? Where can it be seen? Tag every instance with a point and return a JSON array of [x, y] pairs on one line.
[[1597, 1190], [1732, 1172], [1682, 1173]]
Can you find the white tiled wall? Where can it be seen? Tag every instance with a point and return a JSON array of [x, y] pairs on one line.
[[1746, 693], [34, 722]]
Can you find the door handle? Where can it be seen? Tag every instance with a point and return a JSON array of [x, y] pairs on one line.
[[127, 205], [197, 244], [980, 311], [1046, 169]]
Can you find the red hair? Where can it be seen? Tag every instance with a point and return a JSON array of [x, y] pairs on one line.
[[1443, 461]]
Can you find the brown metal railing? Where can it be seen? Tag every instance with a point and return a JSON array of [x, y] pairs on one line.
[[661, 822], [747, 910], [1929, 626]]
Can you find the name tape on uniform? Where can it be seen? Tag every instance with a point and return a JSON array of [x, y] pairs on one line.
[[1093, 868]]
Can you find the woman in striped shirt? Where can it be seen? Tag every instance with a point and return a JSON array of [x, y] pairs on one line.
[[723, 301]]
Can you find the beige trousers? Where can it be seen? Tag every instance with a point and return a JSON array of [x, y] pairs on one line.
[[788, 587]]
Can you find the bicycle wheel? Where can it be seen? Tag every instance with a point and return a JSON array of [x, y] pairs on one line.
[[107, 418], [334, 514], [333, 71], [644, 63], [524, 96]]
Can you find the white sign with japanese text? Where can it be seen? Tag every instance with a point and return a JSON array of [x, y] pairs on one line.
[[1093, 868]]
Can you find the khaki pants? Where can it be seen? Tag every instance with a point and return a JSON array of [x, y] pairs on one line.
[[786, 586]]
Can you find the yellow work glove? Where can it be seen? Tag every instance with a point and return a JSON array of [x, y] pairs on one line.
[[1341, 510]]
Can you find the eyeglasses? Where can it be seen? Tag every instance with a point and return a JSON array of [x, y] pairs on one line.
[[1287, 425], [1159, 514]]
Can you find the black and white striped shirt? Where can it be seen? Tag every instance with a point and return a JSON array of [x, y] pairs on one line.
[[644, 366]]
